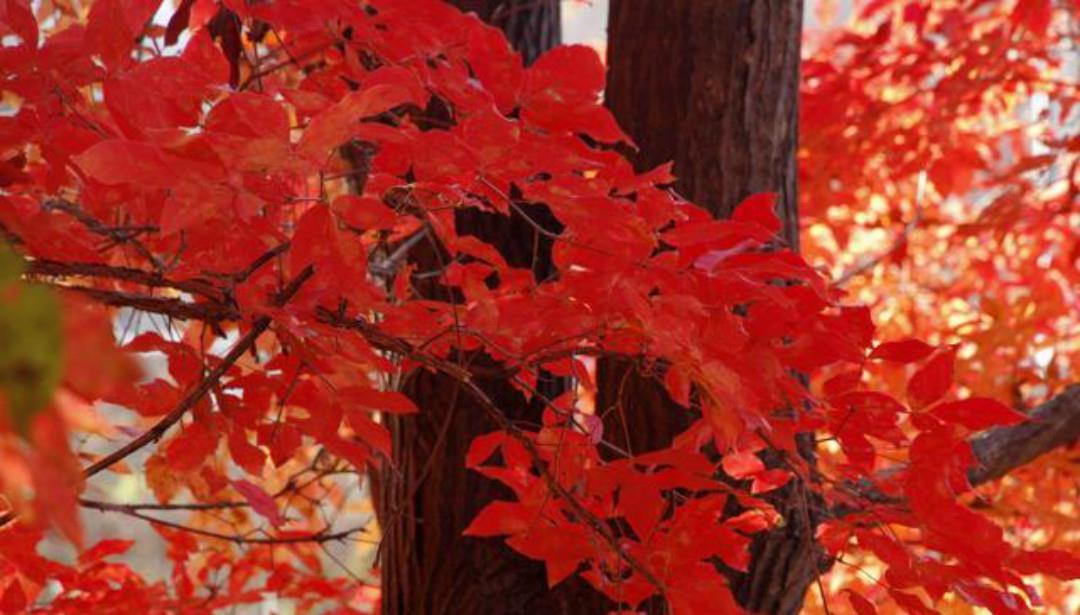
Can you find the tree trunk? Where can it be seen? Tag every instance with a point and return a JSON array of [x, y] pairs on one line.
[[428, 498], [713, 85]]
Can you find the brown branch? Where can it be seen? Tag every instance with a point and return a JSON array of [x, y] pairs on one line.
[[44, 267], [257, 264], [99, 228], [99, 505], [389, 343], [208, 382], [1054, 424], [176, 308], [290, 488], [194, 395], [322, 536]]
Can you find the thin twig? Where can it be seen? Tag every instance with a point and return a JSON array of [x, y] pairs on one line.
[[209, 381], [322, 536]]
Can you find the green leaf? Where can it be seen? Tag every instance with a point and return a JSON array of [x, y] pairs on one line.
[[31, 343]]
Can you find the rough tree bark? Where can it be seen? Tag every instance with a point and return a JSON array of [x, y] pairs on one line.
[[713, 85], [427, 498]]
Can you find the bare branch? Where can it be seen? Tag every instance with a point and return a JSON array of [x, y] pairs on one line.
[[44, 267], [322, 536], [208, 382]]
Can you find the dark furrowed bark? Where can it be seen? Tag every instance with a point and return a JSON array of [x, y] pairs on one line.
[[713, 86], [428, 497]]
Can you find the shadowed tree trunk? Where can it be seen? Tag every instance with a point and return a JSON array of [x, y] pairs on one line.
[[712, 85], [428, 498]]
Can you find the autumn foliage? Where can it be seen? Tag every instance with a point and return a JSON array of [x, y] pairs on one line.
[[238, 190]]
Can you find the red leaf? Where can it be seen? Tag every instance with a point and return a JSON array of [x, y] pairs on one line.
[[759, 209], [642, 506], [178, 22], [677, 383], [281, 439], [250, 131], [498, 519], [861, 605], [20, 18], [392, 402], [315, 239], [350, 450], [482, 447], [364, 213], [496, 65], [333, 126], [191, 447], [260, 501], [748, 522], [202, 54], [933, 379], [698, 589], [842, 383], [903, 351], [562, 93], [105, 548], [248, 114], [13, 599], [1054, 562], [977, 413], [246, 455], [117, 161], [572, 74], [742, 465], [910, 603], [108, 31], [769, 480], [155, 97], [561, 548], [55, 474], [1034, 15]]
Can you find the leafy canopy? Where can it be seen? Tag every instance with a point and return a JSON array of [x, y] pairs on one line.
[[252, 182]]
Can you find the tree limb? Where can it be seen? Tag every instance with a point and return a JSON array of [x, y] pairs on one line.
[[46, 267], [999, 451], [322, 536], [1053, 424]]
